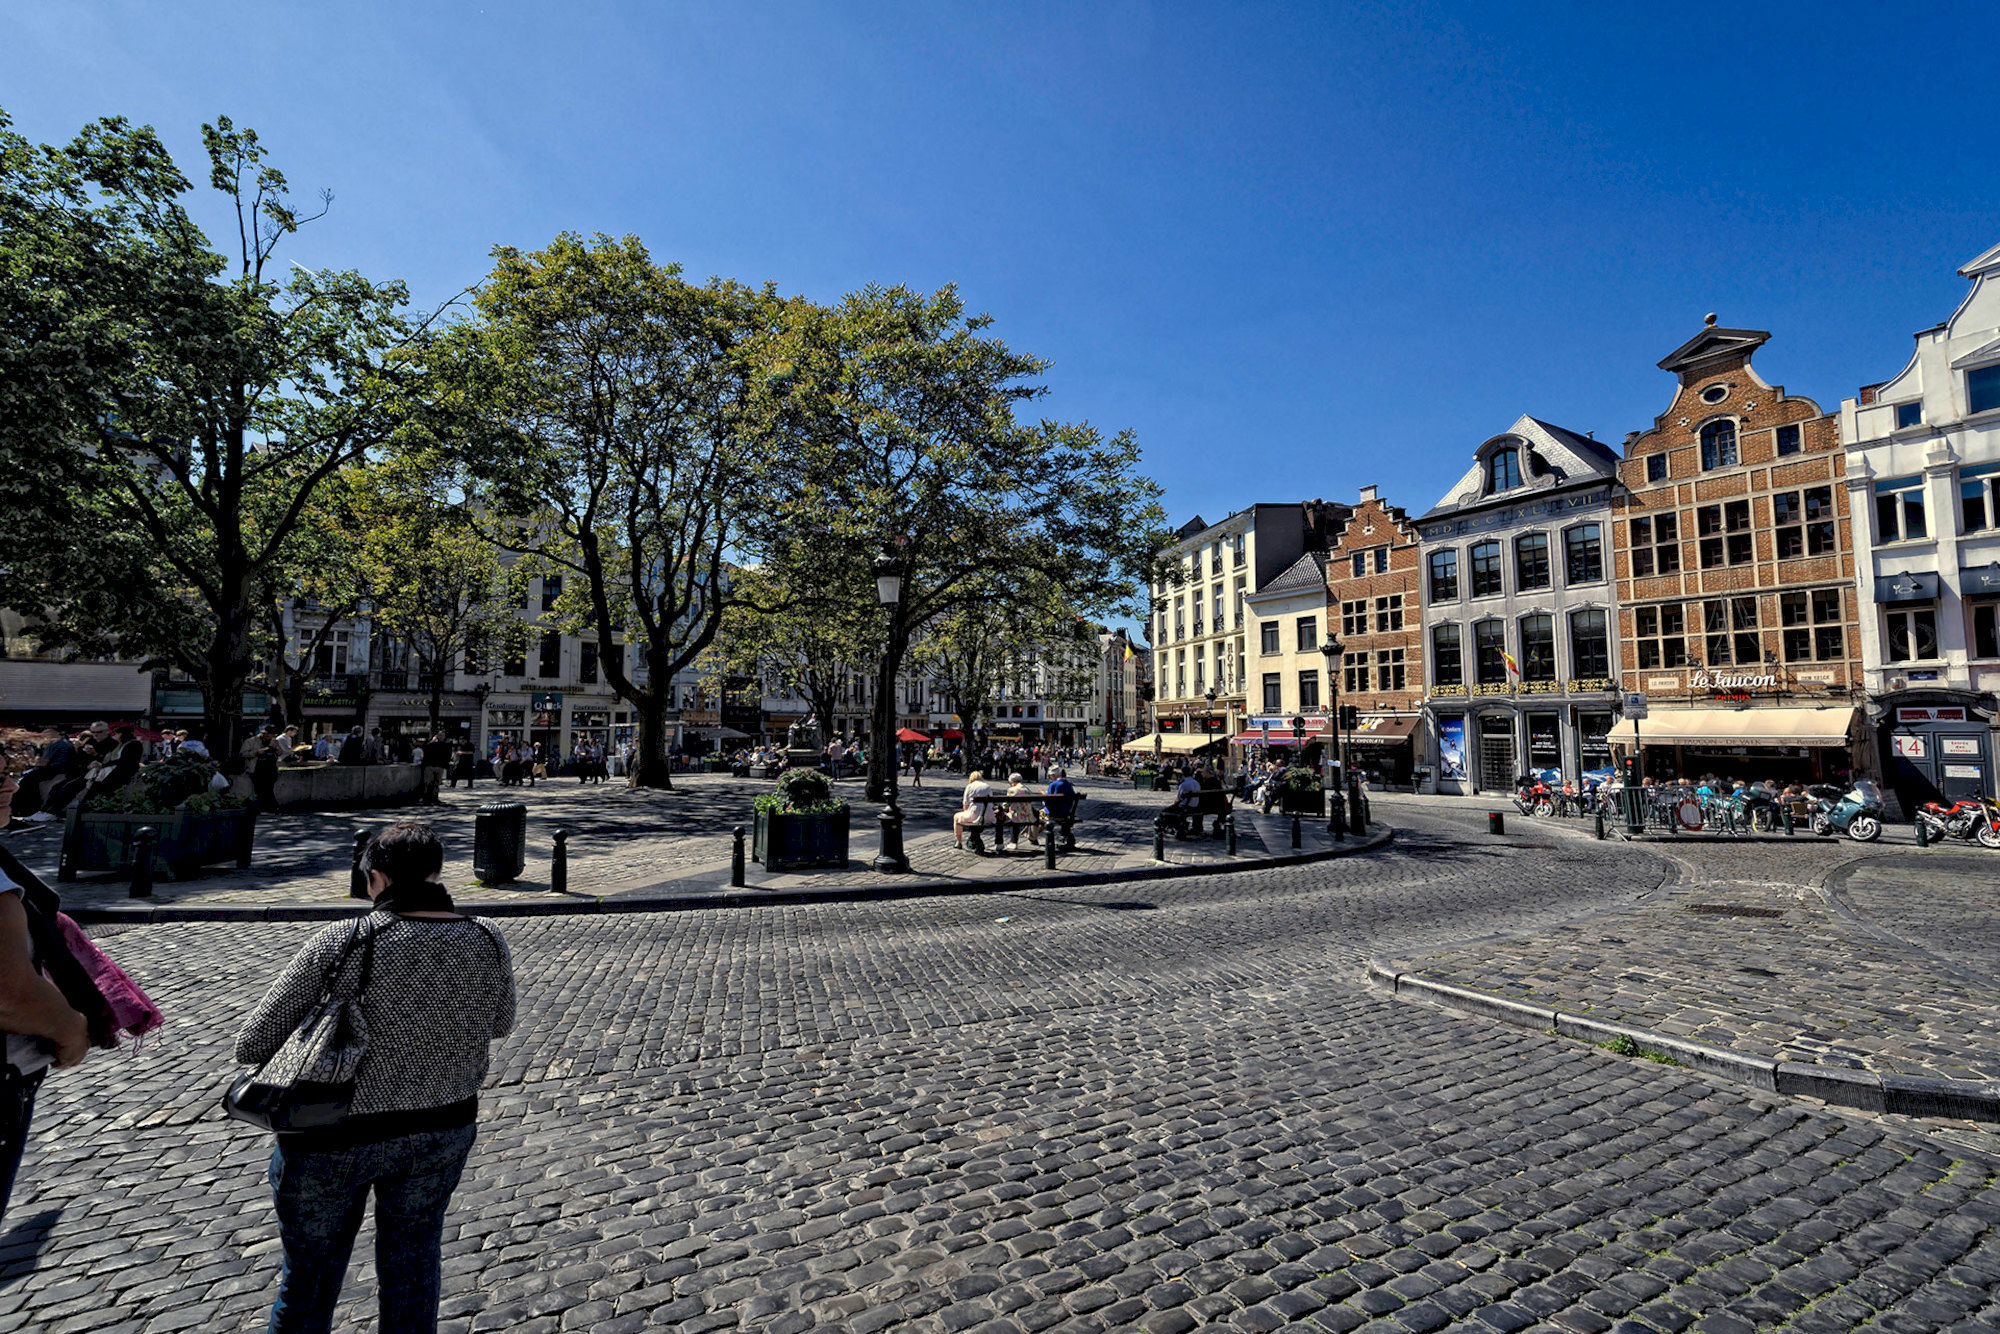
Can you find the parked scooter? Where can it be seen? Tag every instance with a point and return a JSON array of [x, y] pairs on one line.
[[1857, 813], [1965, 820]]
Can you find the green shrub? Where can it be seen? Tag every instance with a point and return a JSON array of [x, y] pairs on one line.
[[162, 788], [801, 792], [1298, 778]]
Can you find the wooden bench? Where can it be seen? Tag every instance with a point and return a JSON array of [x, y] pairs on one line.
[[1186, 822], [1065, 824]]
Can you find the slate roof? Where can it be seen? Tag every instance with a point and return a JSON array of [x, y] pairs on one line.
[[1307, 574], [1557, 457]]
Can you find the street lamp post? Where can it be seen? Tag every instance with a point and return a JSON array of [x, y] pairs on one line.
[[1208, 719], [1330, 651], [889, 858]]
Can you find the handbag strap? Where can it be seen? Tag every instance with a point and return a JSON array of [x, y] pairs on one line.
[[338, 967]]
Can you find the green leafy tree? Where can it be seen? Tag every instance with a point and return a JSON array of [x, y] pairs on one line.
[[612, 448], [168, 412], [900, 416], [803, 625]]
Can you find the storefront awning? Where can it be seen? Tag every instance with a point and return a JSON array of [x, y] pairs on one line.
[[1897, 588], [1377, 730], [1171, 743], [1979, 583], [1738, 727]]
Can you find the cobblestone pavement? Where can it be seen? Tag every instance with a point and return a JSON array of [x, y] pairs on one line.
[[624, 841], [1749, 949], [1158, 1107]]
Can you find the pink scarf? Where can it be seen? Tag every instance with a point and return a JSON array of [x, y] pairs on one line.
[[131, 1010]]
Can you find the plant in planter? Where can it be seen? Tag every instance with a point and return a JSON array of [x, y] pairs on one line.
[[197, 825], [800, 823], [1299, 792]]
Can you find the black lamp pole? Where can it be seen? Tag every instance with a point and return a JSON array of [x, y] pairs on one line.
[[889, 858], [1330, 651]]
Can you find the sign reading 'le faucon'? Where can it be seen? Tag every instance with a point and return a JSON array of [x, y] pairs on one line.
[[1727, 681]]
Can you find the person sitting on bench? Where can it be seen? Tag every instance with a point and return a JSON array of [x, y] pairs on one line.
[[975, 813]]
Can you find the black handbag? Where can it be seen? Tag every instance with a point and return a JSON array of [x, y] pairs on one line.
[[308, 1083]]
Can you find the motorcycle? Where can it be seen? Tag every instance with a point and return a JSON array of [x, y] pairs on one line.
[[1968, 819], [1533, 797], [1856, 813], [1752, 808]]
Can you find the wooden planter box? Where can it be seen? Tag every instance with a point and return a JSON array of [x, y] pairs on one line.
[[1142, 780], [105, 842], [1301, 803], [791, 842]]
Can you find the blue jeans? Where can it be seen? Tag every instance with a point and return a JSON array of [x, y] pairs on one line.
[[320, 1196]]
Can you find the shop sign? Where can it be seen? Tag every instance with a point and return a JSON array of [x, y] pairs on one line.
[[1928, 674], [1816, 678], [1173, 724], [1908, 747], [1943, 713], [1961, 771], [1706, 680], [542, 701], [1451, 746], [1959, 745], [1664, 684], [1544, 742]]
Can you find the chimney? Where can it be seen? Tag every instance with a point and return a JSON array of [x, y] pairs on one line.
[[1367, 494]]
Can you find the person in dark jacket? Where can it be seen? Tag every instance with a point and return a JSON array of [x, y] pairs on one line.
[[440, 991]]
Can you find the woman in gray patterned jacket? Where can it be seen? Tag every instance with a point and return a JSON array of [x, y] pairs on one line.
[[442, 988]]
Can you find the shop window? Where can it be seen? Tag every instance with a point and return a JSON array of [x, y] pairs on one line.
[[1309, 690], [1489, 647], [1485, 569], [1354, 617], [1503, 470], [1355, 673], [1656, 467], [1446, 667], [1656, 546], [1982, 389], [1538, 648], [1389, 669], [1274, 692], [1899, 509], [1788, 440], [1531, 561], [1729, 632], [1979, 497], [1267, 638], [1803, 522], [1583, 554], [1661, 635], [1593, 740], [1912, 634], [1389, 613], [1909, 414], [1444, 576], [1718, 445], [1589, 645], [1986, 629], [1308, 629]]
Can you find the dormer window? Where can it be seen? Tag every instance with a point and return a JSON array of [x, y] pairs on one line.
[[1503, 470]]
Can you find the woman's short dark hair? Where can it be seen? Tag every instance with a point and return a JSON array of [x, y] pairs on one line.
[[408, 853]]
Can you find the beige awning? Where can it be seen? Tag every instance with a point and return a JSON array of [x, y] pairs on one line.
[[1739, 727], [1172, 743]]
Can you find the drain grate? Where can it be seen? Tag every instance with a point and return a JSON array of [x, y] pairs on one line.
[[1733, 910]]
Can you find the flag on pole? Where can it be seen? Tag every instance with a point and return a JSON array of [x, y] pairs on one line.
[[1512, 666]]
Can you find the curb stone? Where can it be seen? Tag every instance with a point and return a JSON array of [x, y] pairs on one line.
[[1380, 836], [1865, 1090]]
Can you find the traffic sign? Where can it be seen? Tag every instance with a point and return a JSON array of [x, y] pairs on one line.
[[1635, 705]]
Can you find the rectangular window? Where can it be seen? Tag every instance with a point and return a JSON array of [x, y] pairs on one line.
[[1661, 634], [1729, 629], [475, 656], [1354, 618], [1485, 569], [1489, 648], [1239, 557], [1389, 613], [551, 590], [1788, 440], [1656, 467], [1589, 645], [1216, 611], [1583, 554], [1389, 669], [1180, 617], [1909, 414], [1793, 626], [1531, 561], [1656, 547], [1899, 509], [1381, 560], [1267, 638], [1979, 497], [1308, 690], [1829, 636], [1308, 628], [1242, 589], [1215, 559], [1444, 576], [1708, 535], [1819, 521], [1982, 389], [1985, 630], [1360, 564], [1274, 692], [551, 655], [1912, 635], [1200, 669], [1736, 521], [1355, 672], [1538, 648], [586, 667], [516, 664], [1446, 666]]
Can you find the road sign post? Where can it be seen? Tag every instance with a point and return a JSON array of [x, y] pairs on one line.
[[1634, 707]]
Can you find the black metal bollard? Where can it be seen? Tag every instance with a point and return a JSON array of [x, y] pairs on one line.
[[1049, 847], [1791, 825], [357, 879], [1232, 833], [143, 844], [1923, 834], [736, 860], [1297, 840], [1600, 824], [1496, 822], [559, 865], [1159, 844]]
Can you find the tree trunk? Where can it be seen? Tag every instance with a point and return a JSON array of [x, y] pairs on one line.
[[649, 766]]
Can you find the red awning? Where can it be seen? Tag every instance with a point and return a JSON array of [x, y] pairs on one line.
[[952, 734], [910, 734], [1277, 738]]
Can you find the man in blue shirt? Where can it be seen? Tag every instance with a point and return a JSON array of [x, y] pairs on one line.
[[1063, 800]]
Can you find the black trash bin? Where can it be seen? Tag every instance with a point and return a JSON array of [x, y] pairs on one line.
[[500, 842]]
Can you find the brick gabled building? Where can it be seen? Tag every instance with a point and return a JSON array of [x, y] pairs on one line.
[[1373, 606], [1735, 566]]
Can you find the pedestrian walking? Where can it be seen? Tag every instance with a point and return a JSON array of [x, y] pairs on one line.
[[436, 988], [261, 755]]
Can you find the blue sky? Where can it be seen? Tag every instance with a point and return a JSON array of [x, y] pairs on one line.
[[1296, 248]]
